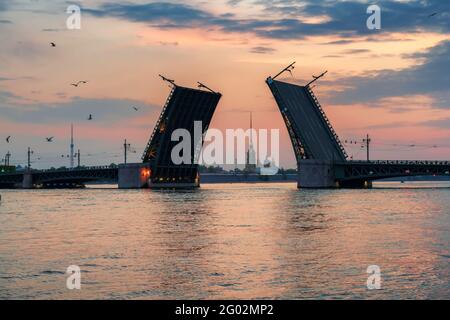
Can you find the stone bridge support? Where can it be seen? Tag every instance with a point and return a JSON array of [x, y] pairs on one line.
[[134, 175], [27, 182], [316, 174]]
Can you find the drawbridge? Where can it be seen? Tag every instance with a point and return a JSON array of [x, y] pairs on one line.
[[184, 109], [321, 157]]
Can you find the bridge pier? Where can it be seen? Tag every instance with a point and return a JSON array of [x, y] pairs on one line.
[[27, 182], [322, 174], [134, 176], [316, 174]]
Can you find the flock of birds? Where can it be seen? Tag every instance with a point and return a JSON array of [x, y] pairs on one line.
[[79, 83], [76, 85], [48, 139], [90, 117]]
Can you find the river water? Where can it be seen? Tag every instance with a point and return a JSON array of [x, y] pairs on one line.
[[265, 241]]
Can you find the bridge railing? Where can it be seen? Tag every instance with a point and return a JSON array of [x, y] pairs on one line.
[[403, 162], [77, 169], [157, 125], [327, 121]]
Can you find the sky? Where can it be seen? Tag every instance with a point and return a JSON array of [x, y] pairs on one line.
[[392, 83]]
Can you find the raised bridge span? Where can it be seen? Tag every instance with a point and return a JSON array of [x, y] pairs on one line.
[[184, 108], [321, 158]]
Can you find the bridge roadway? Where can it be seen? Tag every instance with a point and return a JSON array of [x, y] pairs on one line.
[[350, 170], [59, 178], [321, 158], [344, 174], [361, 174]]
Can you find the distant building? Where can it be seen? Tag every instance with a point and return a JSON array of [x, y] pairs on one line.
[[250, 163]]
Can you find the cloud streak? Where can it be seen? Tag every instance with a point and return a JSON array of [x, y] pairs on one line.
[[430, 77], [103, 110], [263, 50], [345, 18]]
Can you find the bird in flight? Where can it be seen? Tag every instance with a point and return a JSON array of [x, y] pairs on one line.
[[433, 14], [78, 83], [7, 139], [90, 117], [53, 44], [49, 139], [136, 108]]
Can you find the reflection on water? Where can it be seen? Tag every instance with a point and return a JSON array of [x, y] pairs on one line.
[[226, 241]]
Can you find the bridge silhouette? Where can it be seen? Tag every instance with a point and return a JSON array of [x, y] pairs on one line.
[[184, 107], [74, 178], [321, 158]]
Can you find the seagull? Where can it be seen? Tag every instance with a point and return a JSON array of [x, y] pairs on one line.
[[90, 117], [78, 83], [7, 139], [50, 139], [53, 44], [136, 108], [433, 14]]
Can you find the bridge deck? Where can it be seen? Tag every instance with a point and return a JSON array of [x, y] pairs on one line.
[[183, 108], [375, 170], [76, 175], [311, 133]]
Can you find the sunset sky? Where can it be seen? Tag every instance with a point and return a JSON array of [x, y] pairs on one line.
[[392, 83]]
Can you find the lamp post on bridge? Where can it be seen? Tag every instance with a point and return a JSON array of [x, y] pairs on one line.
[[126, 146], [7, 157], [30, 152], [71, 146], [367, 141]]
